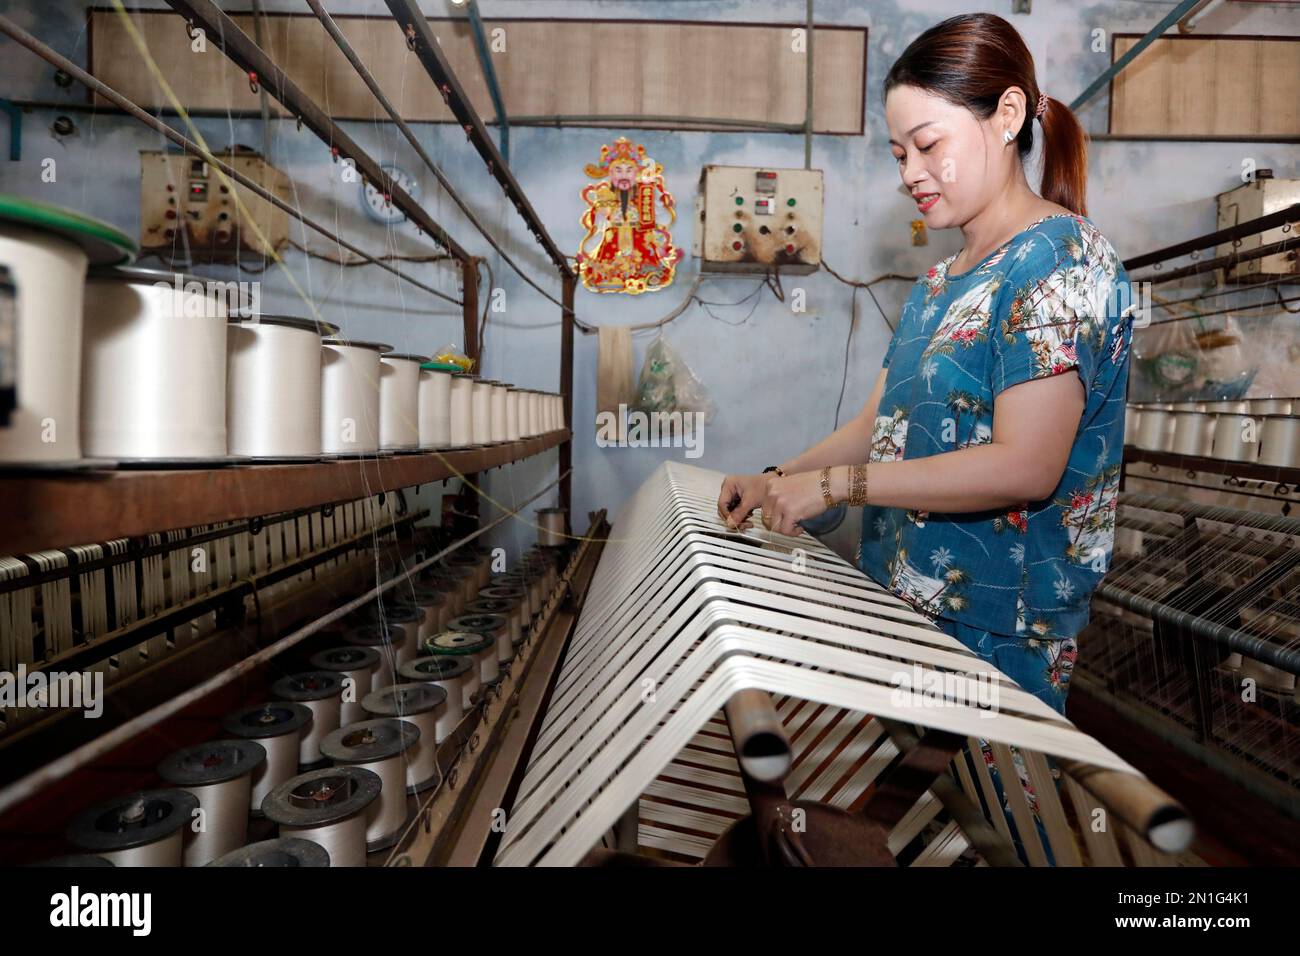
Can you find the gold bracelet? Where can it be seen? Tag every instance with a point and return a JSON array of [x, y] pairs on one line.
[[826, 488], [857, 485]]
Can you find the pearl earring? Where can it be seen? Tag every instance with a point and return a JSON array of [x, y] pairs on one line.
[[1007, 137]]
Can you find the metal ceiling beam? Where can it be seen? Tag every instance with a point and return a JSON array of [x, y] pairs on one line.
[[421, 41], [252, 59]]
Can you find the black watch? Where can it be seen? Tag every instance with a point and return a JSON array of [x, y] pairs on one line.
[[775, 468]]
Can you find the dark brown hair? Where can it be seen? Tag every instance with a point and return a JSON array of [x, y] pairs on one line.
[[971, 60]]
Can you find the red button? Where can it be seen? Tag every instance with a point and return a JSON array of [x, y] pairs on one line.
[[737, 244]]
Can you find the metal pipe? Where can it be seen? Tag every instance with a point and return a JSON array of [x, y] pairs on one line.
[[425, 46], [1221, 262], [808, 91], [22, 37], [1250, 227], [1172, 17], [490, 76], [605, 119], [760, 741], [241, 50], [33, 783], [377, 92]]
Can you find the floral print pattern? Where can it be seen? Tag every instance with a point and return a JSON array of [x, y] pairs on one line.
[[1042, 304]]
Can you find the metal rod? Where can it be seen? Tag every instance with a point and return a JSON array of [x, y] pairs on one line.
[[1248, 228], [606, 119], [55, 770], [808, 91], [241, 49], [490, 76], [1172, 17], [425, 46], [404, 128], [760, 741], [22, 37], [1223, 262], [567, 320]]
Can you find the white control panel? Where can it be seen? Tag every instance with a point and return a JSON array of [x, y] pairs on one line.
[[1257, 198], [755, 219]]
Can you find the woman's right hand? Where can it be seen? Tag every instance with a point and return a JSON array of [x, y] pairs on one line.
[[739, 496]]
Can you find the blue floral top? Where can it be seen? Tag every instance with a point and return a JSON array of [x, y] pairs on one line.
[[1054, 298]]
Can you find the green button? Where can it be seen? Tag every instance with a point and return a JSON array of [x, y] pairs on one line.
[[740, 200], [737, 227], [790, 201]]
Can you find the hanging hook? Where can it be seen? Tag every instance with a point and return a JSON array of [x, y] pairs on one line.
[[190, 30], [410, 36], [252, 80], [445, 90]]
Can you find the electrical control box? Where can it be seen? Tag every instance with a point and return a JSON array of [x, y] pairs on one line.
[[1251, 200], [753, 219], [188, 211]]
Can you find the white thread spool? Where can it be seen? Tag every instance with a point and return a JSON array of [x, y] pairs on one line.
[[493, 628], [329, 807], [138, 829], [47, 272], [497, 412], [451, 675], [349, 401], [1230, 432], [514, 579], [153, 368], [283, 852], [1132, 415], [381, 746], [481, 413], [462, 409], [273, 387], [511, 635], [515, 600], [399, 401], [1193, 432], [1235, 407], [550, 527], [388, 640], [432, 603], [1153, 429], [421, 705], [278, 727], [357, 667], [1280, 441], [512, 414], [435, 405], [320, 692], [400, 613], [452, 599], [534, 412], [1270, 406], [473, 647], [465, 578], [219, 775]]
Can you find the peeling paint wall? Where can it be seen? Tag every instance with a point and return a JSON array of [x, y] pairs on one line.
[[774, 375]]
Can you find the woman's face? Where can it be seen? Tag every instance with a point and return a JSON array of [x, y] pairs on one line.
[[949, 160]]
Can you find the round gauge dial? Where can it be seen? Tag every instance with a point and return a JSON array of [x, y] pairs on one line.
[[385, 210]]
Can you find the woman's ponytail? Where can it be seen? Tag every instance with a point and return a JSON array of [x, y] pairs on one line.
[[1065, 158], [971, 60]]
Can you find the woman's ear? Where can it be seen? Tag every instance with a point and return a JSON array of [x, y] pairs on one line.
[[1011, 112]]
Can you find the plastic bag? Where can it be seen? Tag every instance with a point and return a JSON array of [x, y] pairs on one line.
[[450, 354], [1195, 359], [668, 385]]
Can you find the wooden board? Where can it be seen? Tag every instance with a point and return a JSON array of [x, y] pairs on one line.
[[1216, 87], [546, 68]]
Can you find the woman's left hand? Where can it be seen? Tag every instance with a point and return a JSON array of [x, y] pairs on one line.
[[790, 500]]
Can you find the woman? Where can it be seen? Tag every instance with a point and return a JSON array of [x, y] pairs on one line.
[[988, 452]]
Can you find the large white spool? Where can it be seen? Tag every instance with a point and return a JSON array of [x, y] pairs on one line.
[[330, 807], [462, 410], [435, 405], [421, 705], [273, 387], [357, 667], [349, 404], [153, 375], [321, 692], [481, 413], [139, 829], [44, 253], [278, 727], [497, 412], [381, 746], [399, 401], [512, 414], [219, 775], [449, 673]]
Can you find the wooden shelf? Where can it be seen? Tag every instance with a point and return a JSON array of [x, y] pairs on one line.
[[42, 510], [1246, 471]]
